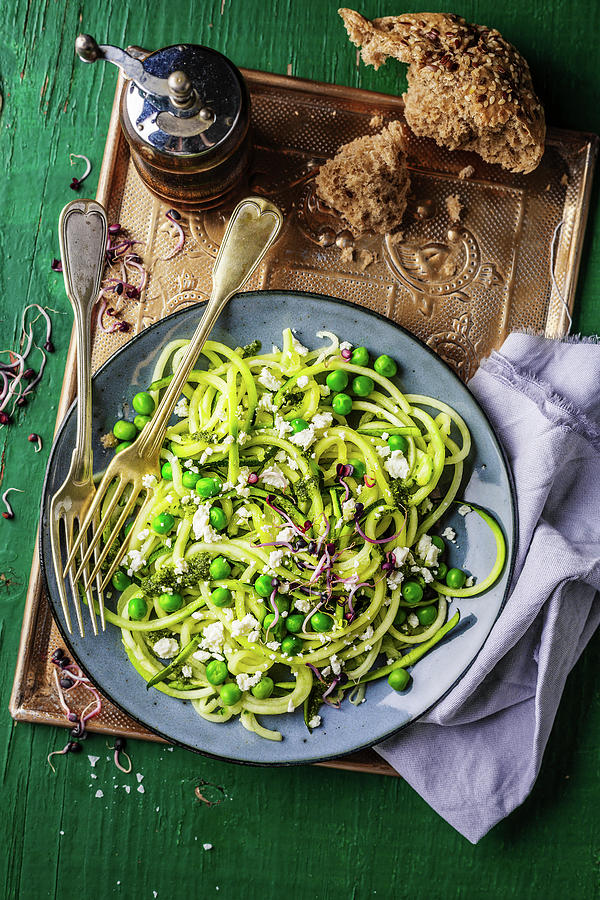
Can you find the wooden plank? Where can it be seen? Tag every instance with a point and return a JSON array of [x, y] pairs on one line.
[[311, 832]]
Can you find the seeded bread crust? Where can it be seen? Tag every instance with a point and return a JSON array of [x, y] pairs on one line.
[[468, 88], [367, 181]]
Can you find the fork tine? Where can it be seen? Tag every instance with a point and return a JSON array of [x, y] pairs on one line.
[[123, 550], [57, 562], [109, 542], [104, 522], [99, 589], [109, 476], [74, 591], [88, 592]]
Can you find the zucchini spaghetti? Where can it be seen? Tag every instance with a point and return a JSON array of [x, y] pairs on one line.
[[284, 558]]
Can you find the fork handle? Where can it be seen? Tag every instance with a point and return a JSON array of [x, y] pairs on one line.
[[253, 227], [82, 232]]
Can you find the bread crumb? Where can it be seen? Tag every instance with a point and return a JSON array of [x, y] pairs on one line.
[[376, 121], [347, 255], [367, 181], [108, 441], [396, 237], [467, 172], [364, 258], [454, 207], [564, 180]]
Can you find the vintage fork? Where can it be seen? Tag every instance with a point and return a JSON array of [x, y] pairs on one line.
[[253, 227], [82, 231]]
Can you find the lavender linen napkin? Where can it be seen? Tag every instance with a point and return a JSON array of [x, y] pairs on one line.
[[476, 755]]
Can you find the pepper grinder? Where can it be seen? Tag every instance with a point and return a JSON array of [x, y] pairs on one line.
[[185, 112]]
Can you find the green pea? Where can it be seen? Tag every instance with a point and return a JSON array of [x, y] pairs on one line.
[[219, 568], [400, 618], [337, 380], [170, 603], [137, 608], [362, 385], [360, 356], [217, 518], [162, 523], [140, 422], [359, 468], [208, 487], [438, 542], [442, 571], [216, 671], [124, 431], [264, 585], [399, 679], [385, 365], [221, 596], [166, 471], [277, 631], [427, 615], [291, 645], [412, 592], [294, 622], [424, 471], [342, 404], [455, 578], [143, 403], [264, 688], [190, 479], [320, 621], [281, 602], [398, 442], [120, 580], [123, 446], [298, 425], [230, 694]]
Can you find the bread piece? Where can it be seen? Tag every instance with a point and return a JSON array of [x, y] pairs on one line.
[[468, 88], [367, 181]]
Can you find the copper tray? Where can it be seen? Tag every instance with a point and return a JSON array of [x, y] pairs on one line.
[[461, 286]]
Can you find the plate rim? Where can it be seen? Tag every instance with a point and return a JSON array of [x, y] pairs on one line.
[[510, 563]]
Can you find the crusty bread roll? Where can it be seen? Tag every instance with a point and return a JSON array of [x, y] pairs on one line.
[[367, 181], [468, 88]]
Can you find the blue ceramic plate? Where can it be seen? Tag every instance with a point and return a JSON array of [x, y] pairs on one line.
[[487, 482]]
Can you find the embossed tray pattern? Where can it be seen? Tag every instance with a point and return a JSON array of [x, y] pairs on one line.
[[461, 285]]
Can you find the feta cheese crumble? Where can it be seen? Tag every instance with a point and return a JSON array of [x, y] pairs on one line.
[[400, 554], [275, 477], [315, 722], [397, 464], [449, 534], [181, 408], [203, 530], [322, 420], [243, 626], [148, 481], [268, 380], [427, 551], [245, 681], [166, 648], [348, 509], [304, 438], [302, 381], [300, 349]]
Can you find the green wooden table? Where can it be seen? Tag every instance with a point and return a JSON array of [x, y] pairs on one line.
[[304, 831]]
